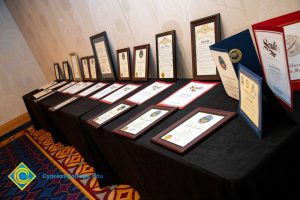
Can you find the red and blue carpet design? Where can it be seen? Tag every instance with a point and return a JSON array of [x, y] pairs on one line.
[[45, 157]]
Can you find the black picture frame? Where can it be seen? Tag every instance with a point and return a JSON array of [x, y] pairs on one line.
[[59, 76], [217, 28], [102, 37], [120, 74], [119, 130], [93, 68], [160, 75], [226, 117], [139, 48], [86, 77], [75, 66], [67, 67], [92, 122]]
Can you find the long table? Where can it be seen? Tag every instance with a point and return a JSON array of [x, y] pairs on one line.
[[232, 163]]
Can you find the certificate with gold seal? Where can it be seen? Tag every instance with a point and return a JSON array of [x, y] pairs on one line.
[[187, 94], [110, 114], [123, 58], [106, 91], [75, 66], [227, 73], [140, 63], [103, 57], [120, 93], [149, 92], [85, 69], [144, 121], [204, 33], [250, 104], [93, 68], [189, 130], [166, 56]]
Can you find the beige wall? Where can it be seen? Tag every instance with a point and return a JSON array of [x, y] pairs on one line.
[[19, 71], [54, 28]]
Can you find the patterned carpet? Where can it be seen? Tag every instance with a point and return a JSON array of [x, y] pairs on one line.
[[46, 158]]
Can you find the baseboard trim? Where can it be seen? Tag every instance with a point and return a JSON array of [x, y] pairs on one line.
[[13, 124]]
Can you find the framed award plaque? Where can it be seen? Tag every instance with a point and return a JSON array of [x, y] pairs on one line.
[[58, 73], [140, 63], [75, 67], [192, 128], [110, 114], [205, 32], [86, 75], [166, 56], [93, 68], [103, 57], [139, 124], [67, 70], [123, 58]]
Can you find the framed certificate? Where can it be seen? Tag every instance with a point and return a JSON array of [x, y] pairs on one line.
[[204, 32], [63, 104], [187, 94], [75, 66], [86, 75], [139, 124], [271, 48], [250, 104], [140, 63], [93, 68], [111, 88], [120, 93], [110, 114], [123, 57], [67, 70], [92, 89], [103, 57], [189, 130], [58, 73], [166, 56], [149, 92]]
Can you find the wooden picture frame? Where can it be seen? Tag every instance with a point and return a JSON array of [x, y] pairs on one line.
[[166, 42], [77, 75], [56, 71], [202, 26], [93, 68], [59, 75], [96, 125], [140, 49], [210, 112], [101, 47], [124, 53], [86, 73], [120, 130], [67, 70]]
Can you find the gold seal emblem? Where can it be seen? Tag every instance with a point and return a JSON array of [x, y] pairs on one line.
[[235, 55], [124, 128], [167, 137]]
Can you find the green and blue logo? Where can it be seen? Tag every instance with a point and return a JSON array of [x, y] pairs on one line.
[[22, 176]]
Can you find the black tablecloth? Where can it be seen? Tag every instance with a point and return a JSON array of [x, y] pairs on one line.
[[28, 100], [67, 122], [232, 163]]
